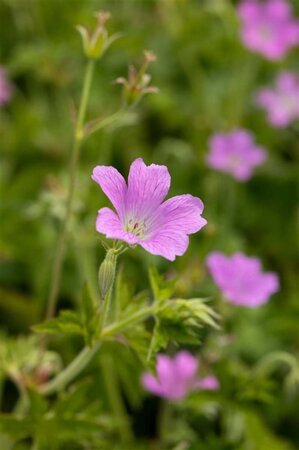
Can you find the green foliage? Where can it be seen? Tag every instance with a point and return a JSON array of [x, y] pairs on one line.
[[207, 82], [84, 323], [23, 359], [162, 289], [181, 321], [68, 322], [89, 315]]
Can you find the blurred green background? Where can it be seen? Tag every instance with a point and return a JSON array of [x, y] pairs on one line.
[[207, 81]]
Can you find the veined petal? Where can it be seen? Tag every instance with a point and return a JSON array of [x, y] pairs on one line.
[[109, 224], [173, 221], [112, 184], [168, 245], [182, 213], [147, 188]]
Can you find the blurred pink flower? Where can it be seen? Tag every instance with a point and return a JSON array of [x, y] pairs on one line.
[[281, 102], [241, 280], [235, 153], [177, 377], [268, 27], [141, 217], [5, 87]]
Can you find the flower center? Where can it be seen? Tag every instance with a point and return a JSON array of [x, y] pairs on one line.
[[266, 32], [137, 227], [234, 161], [289, 104]]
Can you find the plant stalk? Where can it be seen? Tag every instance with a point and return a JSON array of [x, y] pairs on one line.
[[61, 246], [71, 371]]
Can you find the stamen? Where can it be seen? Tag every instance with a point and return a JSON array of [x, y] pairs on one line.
[[138, 228]]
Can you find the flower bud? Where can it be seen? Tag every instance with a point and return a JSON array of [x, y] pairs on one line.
[[106, 273], [137, 83], [96, 43]]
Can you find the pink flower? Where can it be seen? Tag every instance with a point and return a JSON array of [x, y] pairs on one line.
[[141, 217], [177, 377], [268, 27], [281, 102], [235, 153], [5, 87], [241, 280]]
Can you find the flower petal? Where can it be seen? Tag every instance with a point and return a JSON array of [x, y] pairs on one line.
[[186, 365], [147, 188], [164, 368], [151, 384], [109, 224], [112, 184], [209, 383], [165, 245], [172, 384], [173, 221]]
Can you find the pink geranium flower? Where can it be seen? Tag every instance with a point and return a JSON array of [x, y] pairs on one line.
[[235, 153], [241, 280], [268, 27], [177, 377], [141, 217], [281, 102], [5, 87]]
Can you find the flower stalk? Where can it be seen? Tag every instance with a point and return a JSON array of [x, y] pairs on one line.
[[71, 371], [61, 246]]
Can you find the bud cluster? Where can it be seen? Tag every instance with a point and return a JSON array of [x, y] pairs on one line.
[[137, 83]]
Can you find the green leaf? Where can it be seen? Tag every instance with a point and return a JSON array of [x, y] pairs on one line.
[[90, 318], [162, 290], [77, 428], [181, 321], [80, 397], [260, 437], [68, 322], [16, 427], [123, 292], [38, 404]]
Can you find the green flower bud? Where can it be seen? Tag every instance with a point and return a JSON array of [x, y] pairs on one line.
[[107, 273], [96, 43]]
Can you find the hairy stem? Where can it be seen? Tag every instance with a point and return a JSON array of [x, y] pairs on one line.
[[61, 246], [71, 371]]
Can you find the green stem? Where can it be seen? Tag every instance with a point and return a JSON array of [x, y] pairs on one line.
[[114, 328], [115, 399], [1, 391], [151, 347], [35, 445], [22, 404], [61, 246], [164, 417], [98, 125], [85, 96], [71, 371]]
